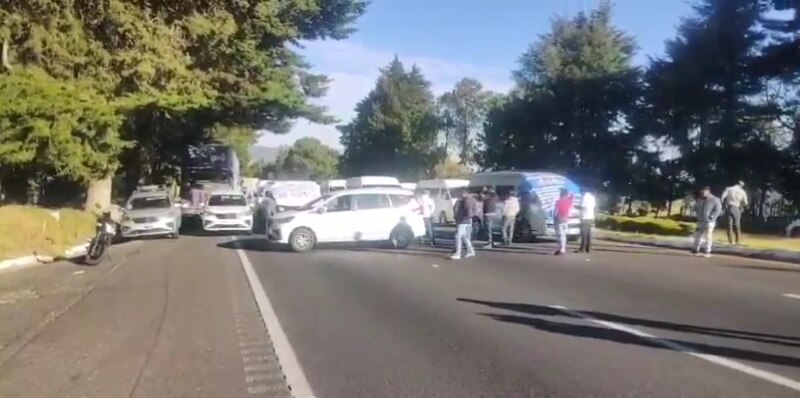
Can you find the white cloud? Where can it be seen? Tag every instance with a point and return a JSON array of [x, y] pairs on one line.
[[354, 68]]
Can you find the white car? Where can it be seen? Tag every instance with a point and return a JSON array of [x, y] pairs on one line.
[[351, 215], [227, 211]]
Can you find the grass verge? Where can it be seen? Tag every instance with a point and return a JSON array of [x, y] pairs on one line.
[[751, 241], [26, 230]]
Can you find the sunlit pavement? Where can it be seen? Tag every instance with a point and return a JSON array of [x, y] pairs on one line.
[[178, 318]]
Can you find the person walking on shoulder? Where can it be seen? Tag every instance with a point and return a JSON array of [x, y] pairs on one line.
[[428, 207], [560, 218], [734, 198], [707, 210], [464, 211], [588, 204], [510, 211]]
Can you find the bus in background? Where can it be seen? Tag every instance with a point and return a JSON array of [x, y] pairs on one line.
[[372, 182], [207, 168]]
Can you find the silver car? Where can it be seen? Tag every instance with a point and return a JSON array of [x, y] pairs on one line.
[[151, 213]]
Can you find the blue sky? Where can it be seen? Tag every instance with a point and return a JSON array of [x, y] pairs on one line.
[[451, 39]]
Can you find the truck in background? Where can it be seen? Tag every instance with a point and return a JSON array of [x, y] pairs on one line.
[[206, 168]]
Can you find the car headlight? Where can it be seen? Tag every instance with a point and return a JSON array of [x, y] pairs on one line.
[[283, 220], [280, 209]]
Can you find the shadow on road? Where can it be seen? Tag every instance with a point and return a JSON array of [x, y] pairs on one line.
[[764, 268], [536, 314]]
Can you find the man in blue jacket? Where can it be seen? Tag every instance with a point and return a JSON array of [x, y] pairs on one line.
[[708, 208]]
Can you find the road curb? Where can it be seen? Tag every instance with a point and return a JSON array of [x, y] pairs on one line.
[[69, 254], [784, 256]]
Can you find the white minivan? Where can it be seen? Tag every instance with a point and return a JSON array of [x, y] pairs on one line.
[[538, 192], [373, 182], [351, 215], [445, 193]]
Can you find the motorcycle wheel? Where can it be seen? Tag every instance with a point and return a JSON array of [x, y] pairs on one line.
[[94, 254]]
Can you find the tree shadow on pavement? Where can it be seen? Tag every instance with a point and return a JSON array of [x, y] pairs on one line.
[[543, 311], [601, 333]]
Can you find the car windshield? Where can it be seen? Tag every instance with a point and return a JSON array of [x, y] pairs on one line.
[[227, 200], [316, 202], [149, 202]]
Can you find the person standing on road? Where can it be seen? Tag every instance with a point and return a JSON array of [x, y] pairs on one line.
[[588, 204], [734, 198], [464, 211], [561, 218], [270, 208], [489, 213], [707, 210], [428, 207], [510, 211]]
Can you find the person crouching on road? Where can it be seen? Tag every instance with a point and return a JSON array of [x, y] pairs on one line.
[[561, 218], [464, 210], [510, 211], [428, 207], [588, 204], [707, 210], [734, 199]]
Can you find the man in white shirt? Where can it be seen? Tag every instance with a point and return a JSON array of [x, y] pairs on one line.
[[428, 207], [510, 211], [734, 198], [588, 204]]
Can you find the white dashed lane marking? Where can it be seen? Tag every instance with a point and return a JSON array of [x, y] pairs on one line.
[[790, 295]]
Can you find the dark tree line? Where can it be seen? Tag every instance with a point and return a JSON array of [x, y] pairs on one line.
[[720, 106]]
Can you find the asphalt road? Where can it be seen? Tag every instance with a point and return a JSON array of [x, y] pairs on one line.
[[180, 319]]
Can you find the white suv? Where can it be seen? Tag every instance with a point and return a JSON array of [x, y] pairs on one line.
[[227, 211], [351, 215]]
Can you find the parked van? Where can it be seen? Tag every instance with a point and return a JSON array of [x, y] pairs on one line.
[[329, 186], [373, 182], [538, 192], [445, 193], [290, 195]]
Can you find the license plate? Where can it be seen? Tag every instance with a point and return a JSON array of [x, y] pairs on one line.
[[148, 226]]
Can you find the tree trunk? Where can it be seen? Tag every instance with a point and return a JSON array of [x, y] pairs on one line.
[[669, 208], [98, 195]]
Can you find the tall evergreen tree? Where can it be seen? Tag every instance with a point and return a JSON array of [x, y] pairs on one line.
[[395, 128], [464, 108], [575, 86]]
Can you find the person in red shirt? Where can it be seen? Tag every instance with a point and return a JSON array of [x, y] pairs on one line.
[[560, 218]]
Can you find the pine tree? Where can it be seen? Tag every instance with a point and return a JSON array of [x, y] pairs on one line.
[[394, 131]]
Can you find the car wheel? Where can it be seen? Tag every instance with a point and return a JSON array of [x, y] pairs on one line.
[[302, 240], [443, 218], [401, 237]]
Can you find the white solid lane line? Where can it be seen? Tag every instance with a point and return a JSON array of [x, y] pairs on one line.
[[295, 376], [725, 362], [790, 295]]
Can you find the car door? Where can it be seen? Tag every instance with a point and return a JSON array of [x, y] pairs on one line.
[[337, 222], [375, 218]]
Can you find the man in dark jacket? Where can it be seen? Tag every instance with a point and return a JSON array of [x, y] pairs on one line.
[[708, 208], [464, 211]]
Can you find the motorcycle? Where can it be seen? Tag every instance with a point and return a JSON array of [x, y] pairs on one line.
[[105, 231]]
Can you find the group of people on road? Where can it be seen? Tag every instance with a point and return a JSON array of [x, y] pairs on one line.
[[708, 209], [486, 205]]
